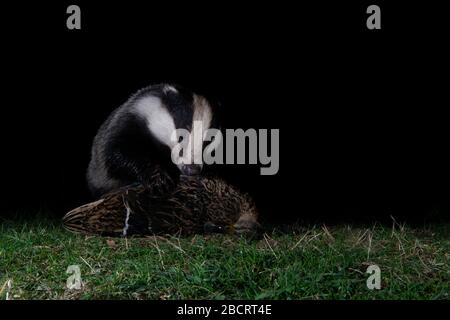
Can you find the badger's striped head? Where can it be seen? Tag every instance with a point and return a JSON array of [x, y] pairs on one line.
[[167, 109]]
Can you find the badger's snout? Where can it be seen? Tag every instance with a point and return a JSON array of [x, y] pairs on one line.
[[191, 169]]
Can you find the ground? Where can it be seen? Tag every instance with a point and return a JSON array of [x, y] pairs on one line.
[[299, 262]]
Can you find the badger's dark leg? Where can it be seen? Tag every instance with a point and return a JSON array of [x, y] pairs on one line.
[[134, 169], [132, 157]]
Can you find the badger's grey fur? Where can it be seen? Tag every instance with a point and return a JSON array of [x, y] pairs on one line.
[[134, 144]]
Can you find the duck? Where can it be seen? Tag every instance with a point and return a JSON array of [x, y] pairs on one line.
[[198, 204]]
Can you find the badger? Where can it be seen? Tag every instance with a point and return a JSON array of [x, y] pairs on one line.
[[133, 145]]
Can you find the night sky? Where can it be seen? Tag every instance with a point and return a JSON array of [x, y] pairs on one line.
[[362, 113]]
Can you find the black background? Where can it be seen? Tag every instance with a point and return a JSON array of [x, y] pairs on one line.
[[362, 113]]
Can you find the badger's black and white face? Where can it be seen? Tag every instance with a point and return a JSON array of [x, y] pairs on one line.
[[168, 108]]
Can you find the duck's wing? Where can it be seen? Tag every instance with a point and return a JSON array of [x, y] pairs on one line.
[[118, 214]]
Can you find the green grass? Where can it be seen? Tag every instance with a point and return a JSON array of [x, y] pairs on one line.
[[307, 262]]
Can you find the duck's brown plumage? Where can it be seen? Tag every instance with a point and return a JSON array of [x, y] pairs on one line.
[[194, 205]]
